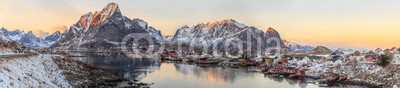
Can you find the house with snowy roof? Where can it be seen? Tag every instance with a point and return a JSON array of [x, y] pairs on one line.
[[398, 50], [316, 59], [304, 61], [370, 58], [292, 61], [396, 56], [396, 59], [335, 60]]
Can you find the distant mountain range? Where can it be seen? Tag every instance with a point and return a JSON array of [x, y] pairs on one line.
[[297, 47], [205, 35], [105, 29], [29, 39]]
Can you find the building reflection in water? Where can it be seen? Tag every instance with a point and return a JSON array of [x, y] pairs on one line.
[[302, 83], [212, 72]]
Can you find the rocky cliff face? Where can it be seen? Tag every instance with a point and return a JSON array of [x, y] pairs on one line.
[[205, 35], [104, 30]]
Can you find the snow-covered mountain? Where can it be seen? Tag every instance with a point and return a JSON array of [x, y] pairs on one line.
[[4, 36], [205, 35], [104, 30], [297, 47], [29, 39]]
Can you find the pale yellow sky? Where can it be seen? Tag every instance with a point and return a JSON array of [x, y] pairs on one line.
[[341, 23]]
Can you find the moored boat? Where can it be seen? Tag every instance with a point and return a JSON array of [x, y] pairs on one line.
[[301, 73], [298, 74], [187, 60], [265, 68], [291, 70], [274, 71], [342, 77], [253, 69], [330, 78], [207, 61]]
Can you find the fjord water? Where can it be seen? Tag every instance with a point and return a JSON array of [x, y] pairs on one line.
[[188, 75]]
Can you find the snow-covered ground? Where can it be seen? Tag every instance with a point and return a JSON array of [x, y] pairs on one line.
[[6, 51], [34, 71]]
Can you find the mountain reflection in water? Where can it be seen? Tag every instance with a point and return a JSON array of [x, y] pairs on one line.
[[187, 75], [121, 66]]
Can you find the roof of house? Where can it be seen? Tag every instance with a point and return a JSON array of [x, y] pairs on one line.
[[290, 58], [290, 68], [334, 53], [315, 57], [336, 58], [393, 49]]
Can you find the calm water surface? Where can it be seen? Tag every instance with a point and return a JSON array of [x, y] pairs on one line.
[[189, 75]]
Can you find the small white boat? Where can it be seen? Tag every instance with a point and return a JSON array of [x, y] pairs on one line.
[[253, 69], [323, 85]]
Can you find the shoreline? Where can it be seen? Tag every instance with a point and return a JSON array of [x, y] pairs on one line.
[[18, 55], [80, 74], [352, 81]]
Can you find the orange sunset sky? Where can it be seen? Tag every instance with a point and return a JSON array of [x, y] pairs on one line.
[[340, 23]]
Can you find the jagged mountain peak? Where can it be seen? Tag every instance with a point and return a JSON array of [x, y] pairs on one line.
[[57, 32], [18, 30], [30, 33], [140, 22], [206, 35], [111, 9], [104, 30], [225, 22], [92, 19], [185, 26], [270, 30]]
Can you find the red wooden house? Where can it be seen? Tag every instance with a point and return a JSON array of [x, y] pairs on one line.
[[169, 54]]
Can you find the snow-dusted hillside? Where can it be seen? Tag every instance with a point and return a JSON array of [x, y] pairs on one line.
[[11, 47], [35, 71]]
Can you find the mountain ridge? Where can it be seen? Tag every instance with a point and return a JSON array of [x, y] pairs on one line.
[[29, 39], [104, 30], [204, 35]]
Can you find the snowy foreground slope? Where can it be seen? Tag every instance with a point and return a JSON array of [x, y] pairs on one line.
[[34, 71]]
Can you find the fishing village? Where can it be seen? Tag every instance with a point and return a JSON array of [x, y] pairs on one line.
[[323, 66]]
